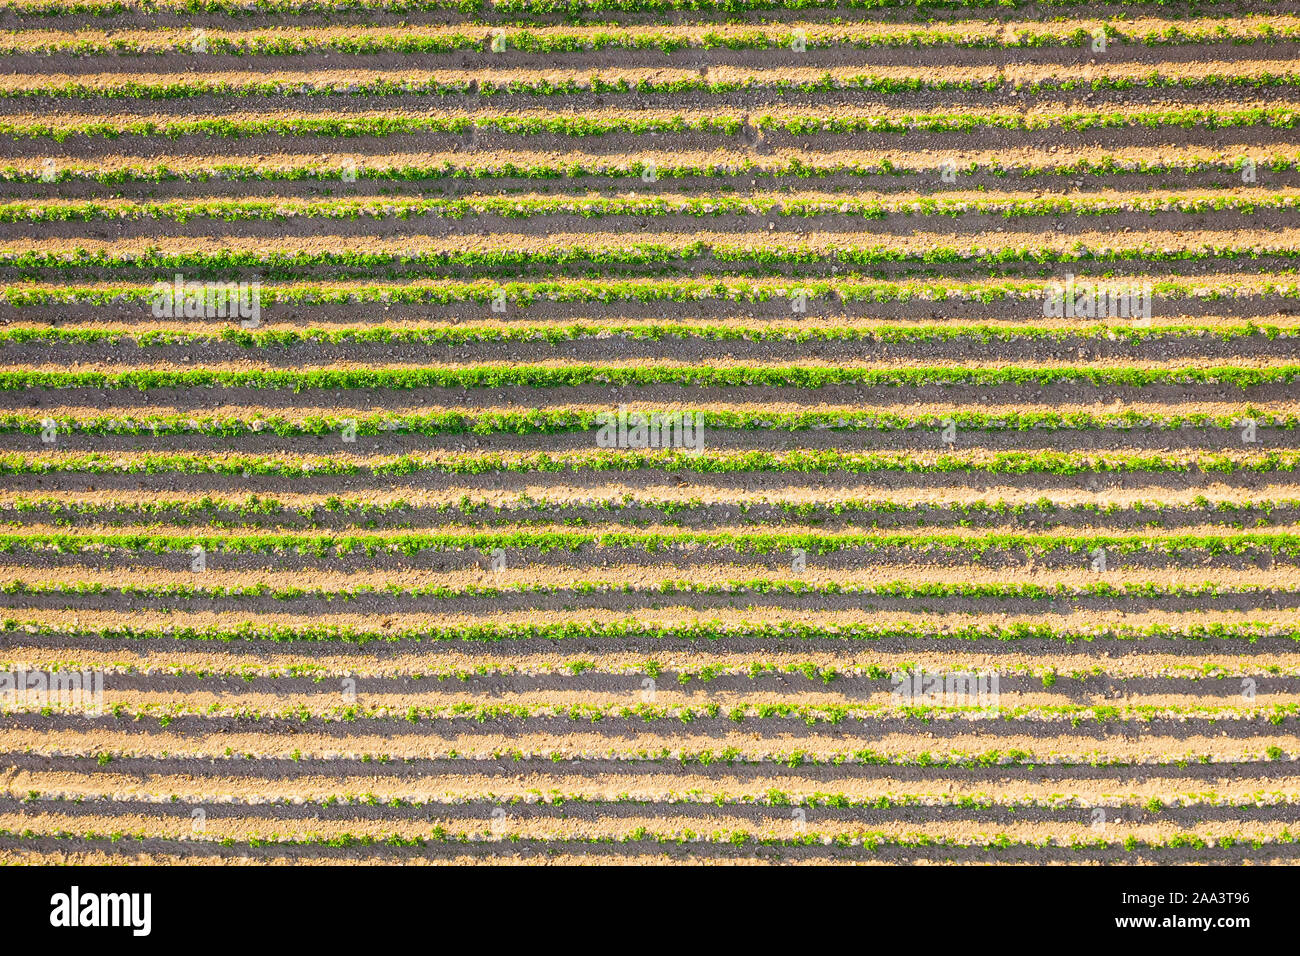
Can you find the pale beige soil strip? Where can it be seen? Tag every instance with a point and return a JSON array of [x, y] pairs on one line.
[[975, 457], [326, 700], [574, 740], [616, 527], [498, 240], [257, 362], [669, 613], [347, 78], [1100, 193], [341, 408], [650, 492], [333, 153], [575, 827], [651, 576], [164, 38], [1210, 671], [669, 784], [1047, 112], [1225, 283]]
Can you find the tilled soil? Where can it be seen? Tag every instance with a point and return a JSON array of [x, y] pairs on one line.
[[923, 637]]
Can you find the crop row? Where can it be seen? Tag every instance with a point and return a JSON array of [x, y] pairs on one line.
[[603, 206], [476, 11], [485, 292], [207, 509], [620, 168], [744, 542], [772, 797], [599, 86], [565, 421], [680, 588], [642, 838], [1250, 632], [1027, 676], [699, 376], [1143, 715], [555, 334], [685, 757], [658, 258], [583, 126], [333, 511], [1242, 32], [672, 461]]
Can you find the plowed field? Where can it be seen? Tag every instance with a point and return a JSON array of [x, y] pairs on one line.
[[315, 313]]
